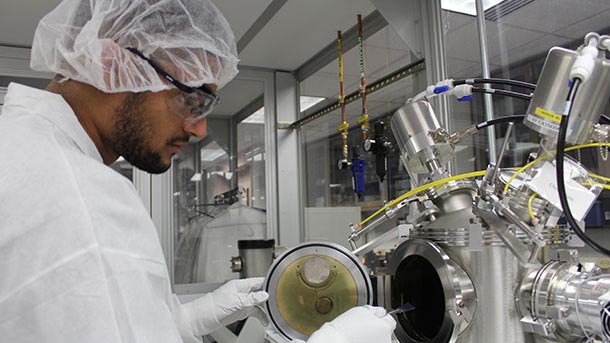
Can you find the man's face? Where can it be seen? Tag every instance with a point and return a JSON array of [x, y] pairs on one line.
[[147, 133]]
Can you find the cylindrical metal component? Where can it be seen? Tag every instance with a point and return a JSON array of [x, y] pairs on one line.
[[413, 125], [495, 272], [487, 99], [568, 297], [549, 101], [491, 268], [255, 257]]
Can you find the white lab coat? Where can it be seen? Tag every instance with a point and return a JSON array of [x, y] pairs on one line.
[[80, 259]]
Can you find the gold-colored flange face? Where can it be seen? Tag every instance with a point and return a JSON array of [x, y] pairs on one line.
[[313, 290]]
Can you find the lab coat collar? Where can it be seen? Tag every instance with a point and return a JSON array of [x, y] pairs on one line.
[[55, 109]]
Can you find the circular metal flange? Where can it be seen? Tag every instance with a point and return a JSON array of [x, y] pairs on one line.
[[442, 293], [313, 283]]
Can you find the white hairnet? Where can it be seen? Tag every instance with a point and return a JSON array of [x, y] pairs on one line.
[[86, 40]]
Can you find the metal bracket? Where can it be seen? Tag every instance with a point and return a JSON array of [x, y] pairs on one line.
[[283, 125], [539, 326], [567, 255]]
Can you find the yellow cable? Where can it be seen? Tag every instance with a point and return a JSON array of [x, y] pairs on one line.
[[587, 183], [529, 206], [525, 167], [595, 176], [422, 188]]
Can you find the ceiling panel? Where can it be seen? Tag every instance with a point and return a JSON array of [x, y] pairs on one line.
[[596, 23], [18, 20], [549, 16], [533, 48], [241, 14], [463, 43], [236, 95], [299, 30], [505, 38]]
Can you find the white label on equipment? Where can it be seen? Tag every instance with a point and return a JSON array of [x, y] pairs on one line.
[[579, 197], [607, 215], [544, 123], [404, 232]]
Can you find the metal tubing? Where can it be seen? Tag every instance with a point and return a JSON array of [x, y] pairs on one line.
[[389, 236], [329, 106], [364, 118], [344, 125], [388, 214], [491, 134], [509, 130]]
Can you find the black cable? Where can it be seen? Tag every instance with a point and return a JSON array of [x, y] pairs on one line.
[[500, 120], [513, 118], [561, 142], [203, 213], [507, 82], [502, 92]]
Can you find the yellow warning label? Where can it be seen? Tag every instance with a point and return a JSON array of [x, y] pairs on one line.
[[548, 115], [603, 263], [343, 126]]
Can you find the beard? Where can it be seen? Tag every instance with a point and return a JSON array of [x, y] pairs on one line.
[[133, 136]]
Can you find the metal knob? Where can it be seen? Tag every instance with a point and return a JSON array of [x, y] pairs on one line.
[[236, 264]]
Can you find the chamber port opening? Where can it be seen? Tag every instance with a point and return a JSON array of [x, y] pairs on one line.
[[417, 282]]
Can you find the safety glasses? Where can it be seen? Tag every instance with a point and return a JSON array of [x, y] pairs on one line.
[[193, 104]]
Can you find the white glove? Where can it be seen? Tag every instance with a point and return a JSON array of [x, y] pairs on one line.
[[231, 302], [363, 324]]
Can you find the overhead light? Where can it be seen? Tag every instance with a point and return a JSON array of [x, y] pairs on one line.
[[467, 6], [258, 117]]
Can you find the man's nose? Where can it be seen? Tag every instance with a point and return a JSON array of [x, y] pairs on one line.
[[198, 129]]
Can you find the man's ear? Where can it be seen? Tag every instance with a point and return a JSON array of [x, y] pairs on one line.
[[112, 58]]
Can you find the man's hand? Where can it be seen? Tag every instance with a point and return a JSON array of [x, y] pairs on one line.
[[231, 302], [363, 324]]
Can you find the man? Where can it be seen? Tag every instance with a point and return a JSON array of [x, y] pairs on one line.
[[80, 260]]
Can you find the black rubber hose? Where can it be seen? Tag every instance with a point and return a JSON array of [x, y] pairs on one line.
[[500, 120], [561, 142], [507, 82], [604, 119], [502, 92]]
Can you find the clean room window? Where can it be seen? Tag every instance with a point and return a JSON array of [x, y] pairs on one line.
[[217, 183], [385, 52], [201, 172], [519, 35], [251, 159]]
